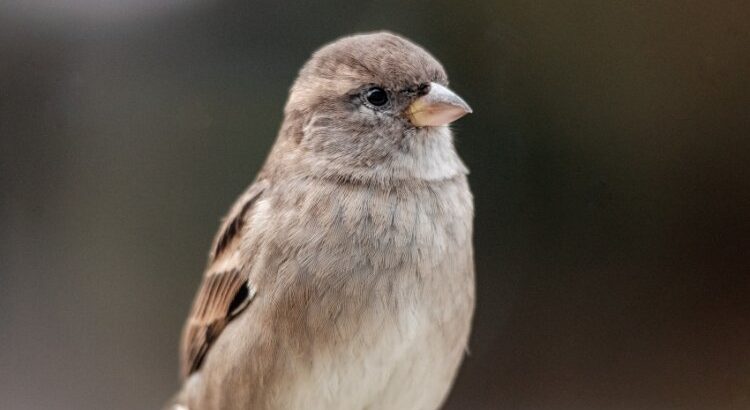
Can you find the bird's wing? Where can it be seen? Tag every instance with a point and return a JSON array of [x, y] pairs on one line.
[[225, 291]]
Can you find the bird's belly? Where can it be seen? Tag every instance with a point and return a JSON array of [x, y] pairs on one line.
[[406, 361]]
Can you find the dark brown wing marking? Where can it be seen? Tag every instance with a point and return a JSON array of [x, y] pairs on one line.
[[222, 296], [235, 220]]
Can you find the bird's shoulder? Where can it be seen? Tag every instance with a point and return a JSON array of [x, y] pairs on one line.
[[231, 226]]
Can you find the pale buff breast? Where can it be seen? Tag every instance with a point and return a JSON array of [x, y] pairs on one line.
[[392, 284]]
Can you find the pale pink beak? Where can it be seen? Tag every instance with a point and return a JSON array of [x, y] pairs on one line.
[[440, 106]]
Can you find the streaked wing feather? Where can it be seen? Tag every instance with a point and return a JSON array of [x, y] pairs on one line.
[[224, 292], [211, 312]]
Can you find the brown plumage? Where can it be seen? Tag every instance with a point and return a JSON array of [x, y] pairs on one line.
[[223, 293], [343, 276]]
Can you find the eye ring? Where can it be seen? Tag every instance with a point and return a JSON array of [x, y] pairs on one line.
[[376, 96]]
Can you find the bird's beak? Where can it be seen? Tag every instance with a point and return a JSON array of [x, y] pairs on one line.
[[440, 106]]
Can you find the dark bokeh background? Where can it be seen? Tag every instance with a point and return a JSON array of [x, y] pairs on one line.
[[610, 161]]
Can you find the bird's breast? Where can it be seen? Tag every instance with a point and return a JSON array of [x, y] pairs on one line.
[[378, 283], [374, 251]]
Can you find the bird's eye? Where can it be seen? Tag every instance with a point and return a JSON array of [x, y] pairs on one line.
[[376, 96]]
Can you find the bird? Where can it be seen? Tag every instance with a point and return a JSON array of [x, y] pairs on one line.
[[343, 277]]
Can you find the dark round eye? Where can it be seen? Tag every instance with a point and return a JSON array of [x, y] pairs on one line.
[[376, 96]]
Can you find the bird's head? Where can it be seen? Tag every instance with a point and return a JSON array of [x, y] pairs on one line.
[[373, 108]]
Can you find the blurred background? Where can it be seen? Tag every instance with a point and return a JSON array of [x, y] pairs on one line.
[[610, 162]]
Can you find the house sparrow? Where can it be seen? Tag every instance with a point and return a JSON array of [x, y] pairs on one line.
[[343, 278]]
